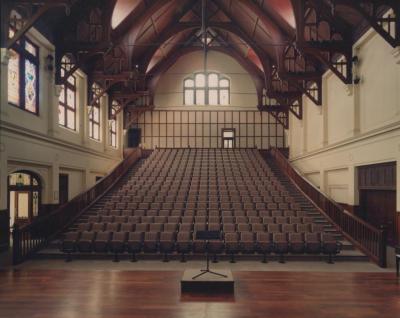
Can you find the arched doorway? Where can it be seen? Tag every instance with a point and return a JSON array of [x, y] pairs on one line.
[[24, 194]]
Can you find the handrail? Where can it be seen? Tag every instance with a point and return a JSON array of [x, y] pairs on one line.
[[367, 238], [28, 239]]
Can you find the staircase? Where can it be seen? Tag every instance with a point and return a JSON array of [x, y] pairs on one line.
[[349, 252]]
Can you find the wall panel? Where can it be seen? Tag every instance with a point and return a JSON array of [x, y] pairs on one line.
[[203, 129]]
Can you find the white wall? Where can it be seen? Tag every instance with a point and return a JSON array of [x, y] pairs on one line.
[[173, 124], [37, 143], [169, 91], [356, 125]]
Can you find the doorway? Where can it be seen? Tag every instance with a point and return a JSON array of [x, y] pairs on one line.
[[63, 184], [228, 138], [24, 197], [377, 188]]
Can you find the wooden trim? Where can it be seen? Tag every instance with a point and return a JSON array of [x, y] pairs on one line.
[[4, 230], [367, 238], [27, 240]]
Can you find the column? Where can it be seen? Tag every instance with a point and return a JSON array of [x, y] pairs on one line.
[[55, 172], [304, 124], [104, 121], [4, 58], [324, 106], [353, 195], [322, 182], [3, 177]]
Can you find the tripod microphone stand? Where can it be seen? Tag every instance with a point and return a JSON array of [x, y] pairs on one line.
[[206, 236]]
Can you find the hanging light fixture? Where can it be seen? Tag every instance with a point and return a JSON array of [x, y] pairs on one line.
[[204, 32]]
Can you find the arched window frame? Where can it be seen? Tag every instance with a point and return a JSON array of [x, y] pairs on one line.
[[95, 113], [33, 187], [208, 90], [67, 105], [26, 53], [112, 125]]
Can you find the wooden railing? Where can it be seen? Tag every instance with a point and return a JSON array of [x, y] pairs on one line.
[[368, 239], [28, 239]]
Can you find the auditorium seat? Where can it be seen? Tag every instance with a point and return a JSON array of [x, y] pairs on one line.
[[247, 242], [183, 244], [134, 244], [167, 243], [232, 246], [100, 244], [85, 243], [330, 246], [281, 245], [117, 244]]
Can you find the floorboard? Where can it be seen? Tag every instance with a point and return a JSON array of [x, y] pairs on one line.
[[112, 294]]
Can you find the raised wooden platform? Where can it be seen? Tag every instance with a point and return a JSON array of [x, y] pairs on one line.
[[207, 282], [119, 294]]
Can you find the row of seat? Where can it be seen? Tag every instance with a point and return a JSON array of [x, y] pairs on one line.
[[204, 205], [202, 212], [194, 227], [184, 243]]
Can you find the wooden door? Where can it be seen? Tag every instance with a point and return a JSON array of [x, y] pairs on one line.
[[4, 230], [379, 209], [63, 188]]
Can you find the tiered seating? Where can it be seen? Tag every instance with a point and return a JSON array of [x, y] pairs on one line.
[[179, 192]]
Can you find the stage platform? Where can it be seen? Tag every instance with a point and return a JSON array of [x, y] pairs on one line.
[[207, 283]]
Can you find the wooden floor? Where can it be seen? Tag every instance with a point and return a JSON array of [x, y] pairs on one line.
[[87, 294]]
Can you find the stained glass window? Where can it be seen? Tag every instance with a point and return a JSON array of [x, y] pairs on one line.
[[23, 75], [30, 86], [13, 78], [67, 101], [94, 112], [210, 89]]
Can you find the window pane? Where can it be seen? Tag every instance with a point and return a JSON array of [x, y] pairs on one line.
[[96, 131], [224, 83], [213, 80], [189, 97], [35, 203], [228, 134], [200, 80], [189, 83], [71, 80], [13, 78], [71, 119], [224, 97], [113, 140], [213, 97], [23, 205], [61, 115], [30, 48], [200, 97], [96, 114], [30, 86], [71, 98], [62, 95]]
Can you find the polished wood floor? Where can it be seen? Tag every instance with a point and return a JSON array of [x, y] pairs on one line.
[[89, 294]]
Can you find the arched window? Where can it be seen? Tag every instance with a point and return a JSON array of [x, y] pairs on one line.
[[206, 89], [24, 190], [67, 101], [94, 112], [112, 125], [23, 74]]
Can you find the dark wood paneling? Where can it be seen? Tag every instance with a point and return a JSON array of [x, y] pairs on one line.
[[63, 188], [379, 209], [4, 229], [153, 294], [377, 177]]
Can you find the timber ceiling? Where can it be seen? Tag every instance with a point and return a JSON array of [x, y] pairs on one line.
[[286, 45]]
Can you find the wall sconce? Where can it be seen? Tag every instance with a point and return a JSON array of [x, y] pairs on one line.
[[50, 63], [355, 60]]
